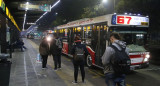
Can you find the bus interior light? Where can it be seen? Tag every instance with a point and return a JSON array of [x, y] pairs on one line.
[[139, 14], [27, 3], [125, 13], [134, 14]]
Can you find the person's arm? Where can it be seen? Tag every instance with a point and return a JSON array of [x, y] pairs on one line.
[[40, 48], [127, 51], [73, 50], [85, 49], [107, 55]]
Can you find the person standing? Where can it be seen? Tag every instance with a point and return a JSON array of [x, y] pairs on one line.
[[44, 51], [56, 52], [79, 50], [111, 77], [59, 44]]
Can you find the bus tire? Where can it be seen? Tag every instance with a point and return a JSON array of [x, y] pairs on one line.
[[89, 61]]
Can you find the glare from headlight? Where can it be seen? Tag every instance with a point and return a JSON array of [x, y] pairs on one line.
[[49, 38], [146, 59], [147, 56]]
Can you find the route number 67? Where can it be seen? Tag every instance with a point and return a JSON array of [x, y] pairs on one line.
[[123, 19]]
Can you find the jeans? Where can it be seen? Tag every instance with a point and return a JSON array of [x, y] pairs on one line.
[[112, 79], [57, 60], [44, 60], [76, 67]]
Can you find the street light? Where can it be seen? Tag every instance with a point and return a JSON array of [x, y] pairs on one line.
[[114, 3], [104, 1]]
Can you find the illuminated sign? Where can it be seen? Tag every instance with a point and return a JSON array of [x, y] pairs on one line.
[[129, 20], [50, 31], [2, 5], [11, 18], [45, 7]]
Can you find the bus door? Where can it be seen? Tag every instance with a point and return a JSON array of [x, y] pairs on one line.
[[103, 41], [70, 39], [100, 42]]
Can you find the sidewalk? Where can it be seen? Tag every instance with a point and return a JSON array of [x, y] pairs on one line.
[[26, 72]]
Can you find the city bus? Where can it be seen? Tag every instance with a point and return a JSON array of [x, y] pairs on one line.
[[94, 32]]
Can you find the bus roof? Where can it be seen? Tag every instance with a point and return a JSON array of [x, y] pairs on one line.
[[111, 20]]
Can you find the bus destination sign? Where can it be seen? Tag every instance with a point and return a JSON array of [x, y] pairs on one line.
[[130, 20]]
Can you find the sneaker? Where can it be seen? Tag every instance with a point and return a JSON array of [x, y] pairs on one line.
[[55, 69], [74, 82], [44, 68], [59, 68]]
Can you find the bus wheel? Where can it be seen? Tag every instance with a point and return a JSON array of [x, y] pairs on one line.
[[89, 61]]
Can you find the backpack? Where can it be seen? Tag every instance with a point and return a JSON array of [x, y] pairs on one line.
[[120, 61], [59, 43], [79, 54]]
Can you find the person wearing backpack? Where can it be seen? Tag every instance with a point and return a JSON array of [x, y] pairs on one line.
[[56, 53], [79, 51], [59, 44], [116, 61]]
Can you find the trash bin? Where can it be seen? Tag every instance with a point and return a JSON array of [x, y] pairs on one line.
[[4, 56], [5, 69]]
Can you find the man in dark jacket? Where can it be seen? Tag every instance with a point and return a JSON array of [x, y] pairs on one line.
[[56, 53], [111, 78], [80, 63]]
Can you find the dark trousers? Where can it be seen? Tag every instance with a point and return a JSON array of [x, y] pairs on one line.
[[57, 60], [112, 79], [44, 60], [76, 66]]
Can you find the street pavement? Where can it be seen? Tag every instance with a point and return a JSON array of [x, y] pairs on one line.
[[35, 76]]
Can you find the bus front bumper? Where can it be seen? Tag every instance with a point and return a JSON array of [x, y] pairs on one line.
[[139, 66]]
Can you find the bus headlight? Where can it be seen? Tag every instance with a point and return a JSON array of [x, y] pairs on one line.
[[48, 38], [146, 58]]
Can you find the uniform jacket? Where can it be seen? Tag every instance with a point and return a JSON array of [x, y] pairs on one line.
[[108, 54]]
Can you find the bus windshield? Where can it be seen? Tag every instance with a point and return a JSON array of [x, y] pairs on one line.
[[135, 40]]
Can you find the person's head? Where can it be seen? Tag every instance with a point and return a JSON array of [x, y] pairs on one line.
[[44, 42], [114, 36], [77, 38], [55, 35]]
